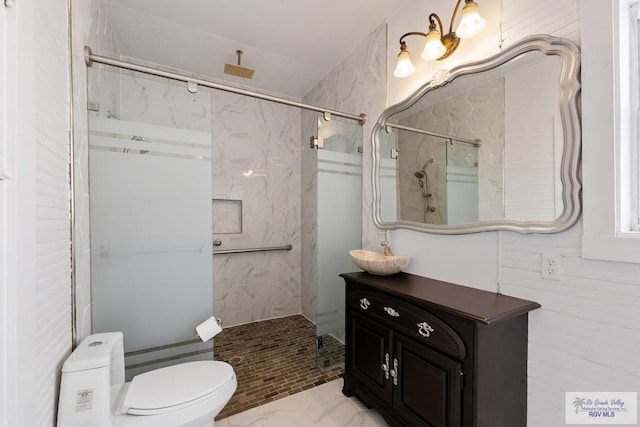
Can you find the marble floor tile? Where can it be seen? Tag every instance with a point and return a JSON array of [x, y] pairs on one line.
[[322, 406]]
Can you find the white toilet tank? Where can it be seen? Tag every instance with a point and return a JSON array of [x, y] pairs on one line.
[[88, 376], [93, 392]]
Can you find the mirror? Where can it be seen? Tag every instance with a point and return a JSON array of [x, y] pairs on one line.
[[491, 145]]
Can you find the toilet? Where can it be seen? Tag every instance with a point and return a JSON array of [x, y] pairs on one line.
[[93, 391]]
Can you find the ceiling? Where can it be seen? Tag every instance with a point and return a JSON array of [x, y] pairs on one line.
[[292, 44]]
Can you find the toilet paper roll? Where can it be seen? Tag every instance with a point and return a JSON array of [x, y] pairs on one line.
[[208, 329]]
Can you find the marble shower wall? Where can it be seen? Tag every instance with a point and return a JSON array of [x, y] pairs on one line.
[[476, 113], [256, 159], [163, 102], [130, 96], [357, 85], [91, 27]]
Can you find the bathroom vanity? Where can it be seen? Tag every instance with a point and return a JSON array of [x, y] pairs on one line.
[[429, 353]]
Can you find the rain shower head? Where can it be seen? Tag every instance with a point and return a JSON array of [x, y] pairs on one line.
[[237, 70]]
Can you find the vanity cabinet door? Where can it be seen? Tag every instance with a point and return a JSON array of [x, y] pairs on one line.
[[429, 385], [370, 351]]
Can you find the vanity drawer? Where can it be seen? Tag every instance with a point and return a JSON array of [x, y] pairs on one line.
[[409, 320]]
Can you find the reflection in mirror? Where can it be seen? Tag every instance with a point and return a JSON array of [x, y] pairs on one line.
[[495, 146]]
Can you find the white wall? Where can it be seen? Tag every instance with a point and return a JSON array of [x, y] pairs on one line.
[[586, 336], [36, 313], [533, 129]]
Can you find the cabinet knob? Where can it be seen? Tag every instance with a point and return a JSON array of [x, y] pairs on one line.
[[391, 312], [364, 303]]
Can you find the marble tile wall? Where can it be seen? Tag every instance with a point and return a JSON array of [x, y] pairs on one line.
[[422, 153], [476, 113], [356, 85], [91, 27], [256, 159], [130, 96], [162, 102]]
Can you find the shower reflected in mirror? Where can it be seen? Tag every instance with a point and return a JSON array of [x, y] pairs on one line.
[[423, 183]]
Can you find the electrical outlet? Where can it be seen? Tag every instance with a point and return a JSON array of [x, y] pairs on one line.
[[551, 266]]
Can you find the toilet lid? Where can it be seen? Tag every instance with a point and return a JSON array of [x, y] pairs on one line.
[[163, 389]]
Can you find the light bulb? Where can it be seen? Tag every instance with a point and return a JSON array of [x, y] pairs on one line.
[[471, 22], [404, 68], [433, 47]]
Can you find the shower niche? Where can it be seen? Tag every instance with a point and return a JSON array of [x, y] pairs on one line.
[[226, 216]]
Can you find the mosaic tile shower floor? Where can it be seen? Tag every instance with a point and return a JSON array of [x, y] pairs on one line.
[[274, 359]]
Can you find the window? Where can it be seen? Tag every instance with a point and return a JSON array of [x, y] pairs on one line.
[[634, 116], [609, 126]]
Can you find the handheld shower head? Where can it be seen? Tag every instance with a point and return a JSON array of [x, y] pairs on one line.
[[419, 174]]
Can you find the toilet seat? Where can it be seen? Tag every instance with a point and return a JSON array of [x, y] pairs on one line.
[[175, 387]]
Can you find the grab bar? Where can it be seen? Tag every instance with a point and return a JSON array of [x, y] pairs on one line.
[[260, 249]]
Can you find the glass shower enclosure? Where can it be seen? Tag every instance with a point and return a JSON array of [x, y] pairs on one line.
[[339, 228], [150, 213]]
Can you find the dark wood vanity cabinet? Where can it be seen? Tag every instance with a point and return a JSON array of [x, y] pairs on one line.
[[429, 353]]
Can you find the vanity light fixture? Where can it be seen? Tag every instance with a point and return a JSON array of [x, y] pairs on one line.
[[438, 46]]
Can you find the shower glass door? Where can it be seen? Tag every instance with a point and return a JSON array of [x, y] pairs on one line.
[[462, 183], [150, 214], [339, 229]]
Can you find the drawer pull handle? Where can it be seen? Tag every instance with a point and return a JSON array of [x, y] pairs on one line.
[[425, 329], [394, 371], [391, 312], [364, 303], [385, 366]]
